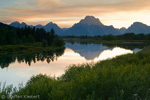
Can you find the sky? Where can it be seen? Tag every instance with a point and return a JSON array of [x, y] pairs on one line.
[[65, 13]]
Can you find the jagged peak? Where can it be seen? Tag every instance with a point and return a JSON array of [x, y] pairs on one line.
[[50, 23], [138, 23], [39, 25], [90, 20], [18, 23], [15, 22], [90, 17], [123, 28], [23, 23]]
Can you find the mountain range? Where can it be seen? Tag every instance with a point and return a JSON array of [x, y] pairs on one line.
[[89, 26], [138, 27]]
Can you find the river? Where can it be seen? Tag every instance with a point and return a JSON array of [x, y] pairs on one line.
[[19, 69]]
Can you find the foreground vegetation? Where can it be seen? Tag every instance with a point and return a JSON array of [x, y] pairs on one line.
[[125, 77]]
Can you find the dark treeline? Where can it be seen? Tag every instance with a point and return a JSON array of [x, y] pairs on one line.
[[49, 56], [29, 35], [127, 36]]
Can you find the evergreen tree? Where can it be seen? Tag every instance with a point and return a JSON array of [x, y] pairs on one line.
[[2, 37], [11, 37], [28, 35], [30, 39], [24, 40]]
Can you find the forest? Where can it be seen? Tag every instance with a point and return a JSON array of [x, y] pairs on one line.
[[28, 35]]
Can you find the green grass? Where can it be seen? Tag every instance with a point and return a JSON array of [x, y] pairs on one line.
[[125, 77]]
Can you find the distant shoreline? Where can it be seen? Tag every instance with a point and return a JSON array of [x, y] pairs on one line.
[[93, 40]]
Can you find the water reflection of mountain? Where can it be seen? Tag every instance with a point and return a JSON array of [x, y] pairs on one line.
[[131, 46], [49, 56], [89, 51]]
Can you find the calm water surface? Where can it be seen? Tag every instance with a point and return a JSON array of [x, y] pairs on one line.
[[19, 69]]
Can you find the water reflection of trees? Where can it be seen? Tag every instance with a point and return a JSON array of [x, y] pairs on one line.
[[48, 56]]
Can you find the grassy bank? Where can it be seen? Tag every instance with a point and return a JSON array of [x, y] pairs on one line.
[[20, 49], [125, 77]]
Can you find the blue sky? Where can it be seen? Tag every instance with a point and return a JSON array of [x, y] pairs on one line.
[[65, 13]]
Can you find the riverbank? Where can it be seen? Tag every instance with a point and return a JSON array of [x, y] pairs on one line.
[[122, 78], [21, 49]]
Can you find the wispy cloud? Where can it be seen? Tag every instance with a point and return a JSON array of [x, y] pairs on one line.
[[48, 3]]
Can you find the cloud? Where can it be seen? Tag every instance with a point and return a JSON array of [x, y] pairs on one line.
[[48, 4], [58, 7], [70, 9]]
